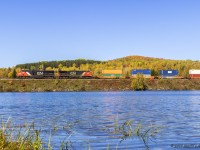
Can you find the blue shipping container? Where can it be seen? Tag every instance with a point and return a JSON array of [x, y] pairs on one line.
[[169, 73], [145, 72]]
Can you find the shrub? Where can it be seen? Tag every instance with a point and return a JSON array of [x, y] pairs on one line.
[[139, 83]]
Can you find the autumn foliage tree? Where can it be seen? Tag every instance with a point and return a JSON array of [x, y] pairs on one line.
[[138, 83]]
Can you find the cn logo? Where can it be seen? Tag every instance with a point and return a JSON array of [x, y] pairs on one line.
[[39, 73], [72, 73]]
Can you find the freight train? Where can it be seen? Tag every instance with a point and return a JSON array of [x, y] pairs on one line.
[[41, 74]]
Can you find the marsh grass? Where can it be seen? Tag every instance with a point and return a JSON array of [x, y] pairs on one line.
[[19, 138], [128, 130], [28, 137]]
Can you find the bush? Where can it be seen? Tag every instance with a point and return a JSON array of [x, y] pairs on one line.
[[139, 83]]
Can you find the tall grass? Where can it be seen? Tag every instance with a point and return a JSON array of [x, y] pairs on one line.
[[27, 137], [19, 138], [128, 130]]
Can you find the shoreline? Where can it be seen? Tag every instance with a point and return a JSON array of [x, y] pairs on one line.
[[94, 85]]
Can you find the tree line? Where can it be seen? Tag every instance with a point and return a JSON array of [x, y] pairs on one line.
[[126, 64]]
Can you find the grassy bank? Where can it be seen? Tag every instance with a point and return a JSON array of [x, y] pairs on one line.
[[45, 85]]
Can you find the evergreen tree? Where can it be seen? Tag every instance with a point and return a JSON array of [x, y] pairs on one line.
[[14, 73]]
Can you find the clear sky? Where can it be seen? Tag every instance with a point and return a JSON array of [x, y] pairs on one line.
[[39, 30]]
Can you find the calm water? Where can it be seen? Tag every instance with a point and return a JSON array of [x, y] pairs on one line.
[[92, 116]]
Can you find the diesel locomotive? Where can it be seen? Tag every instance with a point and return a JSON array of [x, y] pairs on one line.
[[41, 74]]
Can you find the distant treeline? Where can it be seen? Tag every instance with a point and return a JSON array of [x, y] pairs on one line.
[[56, 64]]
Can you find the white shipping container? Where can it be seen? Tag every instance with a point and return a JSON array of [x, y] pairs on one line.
[[194, 71]]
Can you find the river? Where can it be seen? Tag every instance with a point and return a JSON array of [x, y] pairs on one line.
[[86, 120]]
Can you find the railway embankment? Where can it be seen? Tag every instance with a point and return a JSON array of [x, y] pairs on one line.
[[55, 85]]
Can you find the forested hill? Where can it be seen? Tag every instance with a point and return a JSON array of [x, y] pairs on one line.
[[155, 64], [57, 64]]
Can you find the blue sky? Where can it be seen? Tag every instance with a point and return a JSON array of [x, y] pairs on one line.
[[39, 30]]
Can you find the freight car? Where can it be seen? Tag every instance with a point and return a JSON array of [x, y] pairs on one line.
[[111, 74], [106, 74], [145, 72]]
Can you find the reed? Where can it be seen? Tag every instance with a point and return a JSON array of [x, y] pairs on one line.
[[19, 138], [128, 130], [27, 137]]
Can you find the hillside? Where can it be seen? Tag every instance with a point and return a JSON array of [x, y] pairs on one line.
[[155, 64], [126, 64]]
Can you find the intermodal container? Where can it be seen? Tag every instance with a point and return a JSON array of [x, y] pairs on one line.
[[169, 73], [111, 73], [194, 73], [145, 72]]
